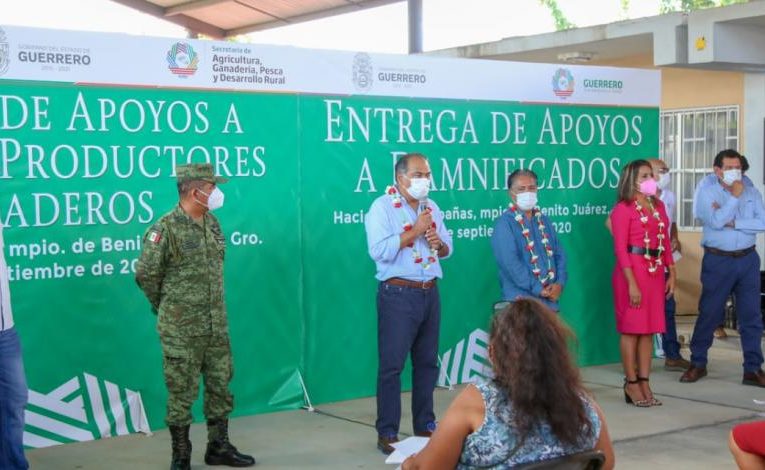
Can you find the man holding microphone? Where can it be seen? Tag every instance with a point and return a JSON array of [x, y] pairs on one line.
[[407, 239]]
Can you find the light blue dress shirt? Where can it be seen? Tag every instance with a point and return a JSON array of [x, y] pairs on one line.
[[709, 180], [514, 261], [746, 212], [384, 227]]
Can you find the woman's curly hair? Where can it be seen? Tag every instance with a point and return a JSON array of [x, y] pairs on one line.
[[533, 366]]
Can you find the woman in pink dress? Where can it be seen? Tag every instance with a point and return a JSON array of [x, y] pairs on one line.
[[641, 243]]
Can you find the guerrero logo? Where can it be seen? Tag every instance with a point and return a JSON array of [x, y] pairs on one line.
[[182, 60], [563, 83], [5, 53], [362, 71]]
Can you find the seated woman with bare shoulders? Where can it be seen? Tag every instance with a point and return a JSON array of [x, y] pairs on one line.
[[535, 408]]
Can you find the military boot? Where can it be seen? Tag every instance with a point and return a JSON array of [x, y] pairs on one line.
[[219, 450], [181, 448]]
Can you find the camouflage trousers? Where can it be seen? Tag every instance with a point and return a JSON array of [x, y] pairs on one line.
[[185, 359]]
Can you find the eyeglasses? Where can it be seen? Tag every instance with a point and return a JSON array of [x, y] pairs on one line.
[[524, 189]]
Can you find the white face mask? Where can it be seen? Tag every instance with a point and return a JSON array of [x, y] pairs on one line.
[[731, 176], [526, 201], [214, 199], [419, 188], [664, 181]]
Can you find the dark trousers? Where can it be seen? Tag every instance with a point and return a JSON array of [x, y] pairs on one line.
[[13, 399], [407, 322], [721, 276], [669, 342]]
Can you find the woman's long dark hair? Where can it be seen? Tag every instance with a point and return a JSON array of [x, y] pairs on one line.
[[533, 366]]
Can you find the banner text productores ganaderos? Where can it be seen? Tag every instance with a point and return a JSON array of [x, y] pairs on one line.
[[47, 125]]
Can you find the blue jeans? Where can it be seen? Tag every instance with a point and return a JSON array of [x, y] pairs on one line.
[[721, 276], [13, 399], [408, 320], [669, 342]]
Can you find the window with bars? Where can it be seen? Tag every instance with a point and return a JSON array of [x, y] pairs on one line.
[[689, 139]]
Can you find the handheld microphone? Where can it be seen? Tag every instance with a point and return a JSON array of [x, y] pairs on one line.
[[423, 208]]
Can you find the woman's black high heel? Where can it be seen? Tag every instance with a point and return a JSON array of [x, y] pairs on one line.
[[628, 398], [653, 401]]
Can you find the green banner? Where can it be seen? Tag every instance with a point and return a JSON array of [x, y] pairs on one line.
[[577, 151], [85, 169]]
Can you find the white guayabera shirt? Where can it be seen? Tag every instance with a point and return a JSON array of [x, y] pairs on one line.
[[670, 202]]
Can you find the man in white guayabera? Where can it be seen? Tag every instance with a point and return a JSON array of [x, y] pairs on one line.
[[670, 345], [529, 257]]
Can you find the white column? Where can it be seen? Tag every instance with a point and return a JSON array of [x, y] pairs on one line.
[[753, 126]]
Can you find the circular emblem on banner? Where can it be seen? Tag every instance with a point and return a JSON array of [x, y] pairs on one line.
[[362, 71], [5, 53], [182, 60], [563, 83]]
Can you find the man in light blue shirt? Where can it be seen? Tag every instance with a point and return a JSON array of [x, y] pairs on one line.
[[732, 214], [539, 271], [407, 240], [712, 180]]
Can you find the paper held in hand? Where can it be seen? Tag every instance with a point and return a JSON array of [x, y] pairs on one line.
[[405, 448]]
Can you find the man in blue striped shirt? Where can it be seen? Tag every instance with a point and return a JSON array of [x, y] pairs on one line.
[[13, 384], [407, 240], [733, 214]]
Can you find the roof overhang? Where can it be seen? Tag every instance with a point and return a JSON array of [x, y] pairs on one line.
[[725, 38], [224, 18]]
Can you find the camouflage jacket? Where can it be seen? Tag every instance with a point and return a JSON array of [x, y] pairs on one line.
[[181, 273]]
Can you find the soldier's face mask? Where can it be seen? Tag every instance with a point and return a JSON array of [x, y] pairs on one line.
[[214, 199]]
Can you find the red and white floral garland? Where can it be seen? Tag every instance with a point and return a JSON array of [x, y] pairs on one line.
[[407, 226], [535, 212], [652, 266]]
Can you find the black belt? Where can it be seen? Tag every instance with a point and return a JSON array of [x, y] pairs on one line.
[[730, 254], [397, 281], [637, 250]]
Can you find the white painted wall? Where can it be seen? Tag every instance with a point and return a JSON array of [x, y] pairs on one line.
[[754, 131]]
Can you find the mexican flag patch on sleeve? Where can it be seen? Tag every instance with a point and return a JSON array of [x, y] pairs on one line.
[[154, 236]]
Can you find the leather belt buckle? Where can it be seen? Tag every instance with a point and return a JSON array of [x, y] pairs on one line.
[[397, 281], [730, 254], [639, 250]]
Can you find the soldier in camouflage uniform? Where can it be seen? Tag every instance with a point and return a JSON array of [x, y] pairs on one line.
[[181, 273]]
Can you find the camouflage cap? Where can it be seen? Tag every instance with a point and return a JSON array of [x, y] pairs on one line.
[[198, 171]]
